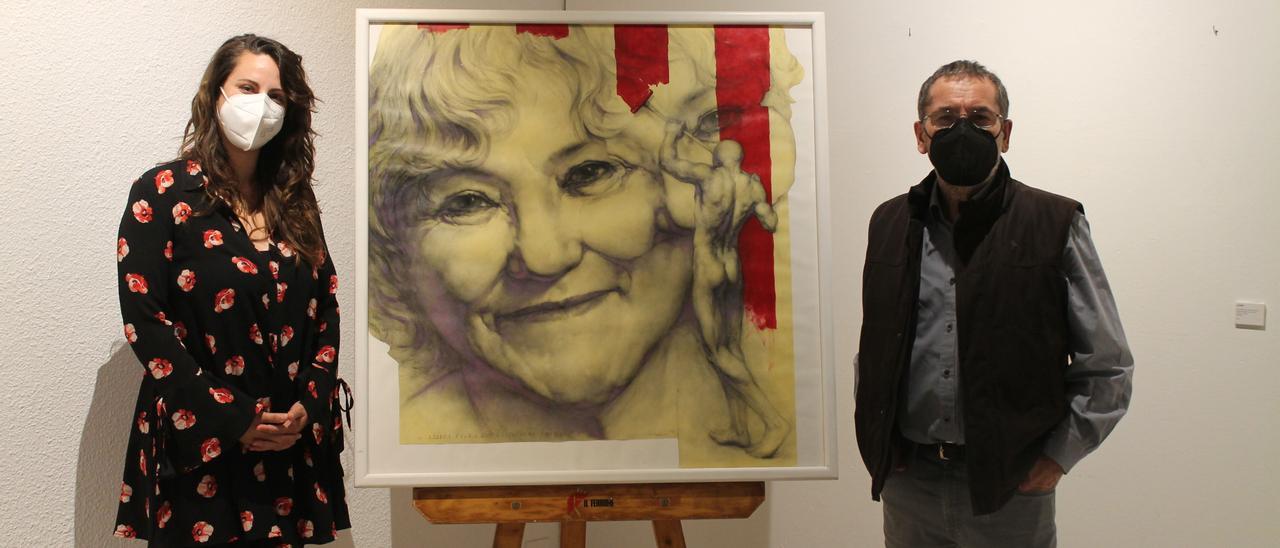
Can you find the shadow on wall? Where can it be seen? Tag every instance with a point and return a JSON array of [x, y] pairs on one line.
[[102, 445], [103, 441], [410, 529]]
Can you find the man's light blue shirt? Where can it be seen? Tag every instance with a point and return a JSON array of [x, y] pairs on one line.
[[1098, 377]]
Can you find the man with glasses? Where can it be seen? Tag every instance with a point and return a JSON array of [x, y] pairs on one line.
[[992, 357]]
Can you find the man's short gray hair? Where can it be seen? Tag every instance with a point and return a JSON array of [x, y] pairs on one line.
[[964, 69]]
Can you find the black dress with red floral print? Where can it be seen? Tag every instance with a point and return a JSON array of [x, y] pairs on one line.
[[224, 331]]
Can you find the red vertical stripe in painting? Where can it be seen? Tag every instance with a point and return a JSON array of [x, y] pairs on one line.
[[554, 31], [742, 78], [442, 27], [640, 52]]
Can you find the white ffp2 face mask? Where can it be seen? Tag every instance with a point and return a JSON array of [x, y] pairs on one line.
[[250, 120]]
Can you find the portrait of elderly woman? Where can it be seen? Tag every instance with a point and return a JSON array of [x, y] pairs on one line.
[[580, 233]]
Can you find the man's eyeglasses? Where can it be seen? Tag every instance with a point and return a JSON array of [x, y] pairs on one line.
[[945, 118]]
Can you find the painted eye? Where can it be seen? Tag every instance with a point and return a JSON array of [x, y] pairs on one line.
[[707, 126], [712, 121], [578, 181], [466, 207]]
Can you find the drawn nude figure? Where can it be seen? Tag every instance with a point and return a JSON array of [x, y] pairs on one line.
[[725, 197]]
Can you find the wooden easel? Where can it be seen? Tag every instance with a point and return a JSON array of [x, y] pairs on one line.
[[574, 505]]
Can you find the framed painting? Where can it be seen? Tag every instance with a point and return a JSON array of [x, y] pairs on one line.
[[593, 247]]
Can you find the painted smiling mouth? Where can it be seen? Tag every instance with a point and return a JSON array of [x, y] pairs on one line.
[[556, 309]]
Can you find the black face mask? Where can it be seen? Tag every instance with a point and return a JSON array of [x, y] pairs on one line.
[[963, 154]]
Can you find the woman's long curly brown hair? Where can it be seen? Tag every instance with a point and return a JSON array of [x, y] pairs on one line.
[[285, 163]]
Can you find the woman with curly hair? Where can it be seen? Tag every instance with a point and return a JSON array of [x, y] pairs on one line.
[[228, 296]]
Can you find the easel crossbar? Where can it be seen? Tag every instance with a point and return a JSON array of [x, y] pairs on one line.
[[617, 502]]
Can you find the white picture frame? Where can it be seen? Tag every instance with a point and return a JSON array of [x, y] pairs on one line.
[[380, 458]]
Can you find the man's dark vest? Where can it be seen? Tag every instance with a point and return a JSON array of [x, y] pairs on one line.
[[1011, 308]]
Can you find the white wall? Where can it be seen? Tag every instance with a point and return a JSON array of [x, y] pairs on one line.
[[1164, 129]]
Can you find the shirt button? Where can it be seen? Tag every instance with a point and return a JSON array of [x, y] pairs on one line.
[[946, 373], [948, 328], [952, 281]]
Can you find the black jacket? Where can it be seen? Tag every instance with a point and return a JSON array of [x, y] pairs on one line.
[[1011, 300]]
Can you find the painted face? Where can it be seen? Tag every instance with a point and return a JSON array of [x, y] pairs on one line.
[[544, 260]]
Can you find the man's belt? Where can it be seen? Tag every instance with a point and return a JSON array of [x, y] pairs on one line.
[[941, 451]]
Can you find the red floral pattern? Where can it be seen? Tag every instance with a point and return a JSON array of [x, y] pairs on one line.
[[142, 211], [208, 486], [186, 280], [136, 283], [125, 531], [183, 419], [163, 514], [222, 395], [201, 531], [224, 300], [181, 212], [181, 275], [212, 238], [305, 528], [210, 449], [164, 180], [255, 334], [245, 265], [326, 354], [235, 365], [160, 368]]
